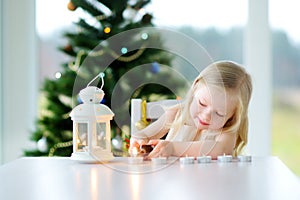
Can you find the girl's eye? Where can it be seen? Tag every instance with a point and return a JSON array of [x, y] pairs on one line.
[[220, 115], [202, 104]]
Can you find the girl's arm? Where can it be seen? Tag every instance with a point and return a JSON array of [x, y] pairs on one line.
[[158, 128], [223, 144]]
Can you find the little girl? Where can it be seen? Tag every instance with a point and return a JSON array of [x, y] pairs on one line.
[[211, 121]]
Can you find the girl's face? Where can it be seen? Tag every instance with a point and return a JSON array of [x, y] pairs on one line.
[[211, 107]]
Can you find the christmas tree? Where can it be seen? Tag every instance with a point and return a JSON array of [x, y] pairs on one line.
[[98, 45]]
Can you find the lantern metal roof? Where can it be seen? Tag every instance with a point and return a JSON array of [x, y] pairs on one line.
[[88, 111]]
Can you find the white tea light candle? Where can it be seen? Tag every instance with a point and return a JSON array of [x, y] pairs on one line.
[[186, 160], [245, 158], [159, 161], [204, 159], [225, 158], [135, 160]]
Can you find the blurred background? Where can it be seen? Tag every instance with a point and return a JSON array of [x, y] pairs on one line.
[[219, 26]]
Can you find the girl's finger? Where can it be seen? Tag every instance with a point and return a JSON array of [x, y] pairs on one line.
[[153, 142], [141, 142], [133, 145], [157, 151]]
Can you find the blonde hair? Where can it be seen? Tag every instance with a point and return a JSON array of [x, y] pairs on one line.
[[232, 77]]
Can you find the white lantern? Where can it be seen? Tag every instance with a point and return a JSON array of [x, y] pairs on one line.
[[91, 126]]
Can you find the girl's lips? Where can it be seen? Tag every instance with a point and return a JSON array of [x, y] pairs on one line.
[[203, 123]]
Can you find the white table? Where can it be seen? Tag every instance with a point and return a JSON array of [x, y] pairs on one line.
[[61, 178]]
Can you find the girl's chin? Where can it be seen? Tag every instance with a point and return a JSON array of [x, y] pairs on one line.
[[199, 125], [202, 127]]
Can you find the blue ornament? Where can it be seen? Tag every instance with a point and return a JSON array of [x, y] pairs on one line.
[[155, 68], [103, 101], [79, 100]]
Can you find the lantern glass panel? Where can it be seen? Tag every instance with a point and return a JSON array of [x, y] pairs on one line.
[[101, 135], [82, 136]]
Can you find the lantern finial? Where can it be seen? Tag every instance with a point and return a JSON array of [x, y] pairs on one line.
[[101, 75], [92, 94]]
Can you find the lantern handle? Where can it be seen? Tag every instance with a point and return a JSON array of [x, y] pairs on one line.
[[101, 75]]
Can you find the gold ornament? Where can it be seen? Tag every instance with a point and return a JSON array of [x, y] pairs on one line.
[[68, 48], [71, 6], [143, 122]]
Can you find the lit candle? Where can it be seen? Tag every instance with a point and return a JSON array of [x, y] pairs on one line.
[[245, 158], [186, 160], [225, 158], [204, 159], [134, 159], [159, 161]]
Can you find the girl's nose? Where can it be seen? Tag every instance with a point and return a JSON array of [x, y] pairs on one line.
[[206, 114]]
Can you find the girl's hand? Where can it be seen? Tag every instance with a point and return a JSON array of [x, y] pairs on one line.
[[162, 148], [135, 144]]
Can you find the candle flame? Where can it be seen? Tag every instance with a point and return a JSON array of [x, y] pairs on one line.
[[134, 152]]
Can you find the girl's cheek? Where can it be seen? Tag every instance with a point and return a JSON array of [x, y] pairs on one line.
[[216, 123], [194, 110]]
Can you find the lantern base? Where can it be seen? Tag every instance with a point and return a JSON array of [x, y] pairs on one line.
[[86, 157]]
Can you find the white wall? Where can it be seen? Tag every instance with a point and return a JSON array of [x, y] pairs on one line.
[[258, 59], [18, 76]]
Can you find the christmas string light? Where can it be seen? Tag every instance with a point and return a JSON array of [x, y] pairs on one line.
[[57, 75], [107, 30], [101, 17], [144, 36], [81, 53], [75, 66], [124, 50], [58, 146], [129, 58], [116, 56]]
